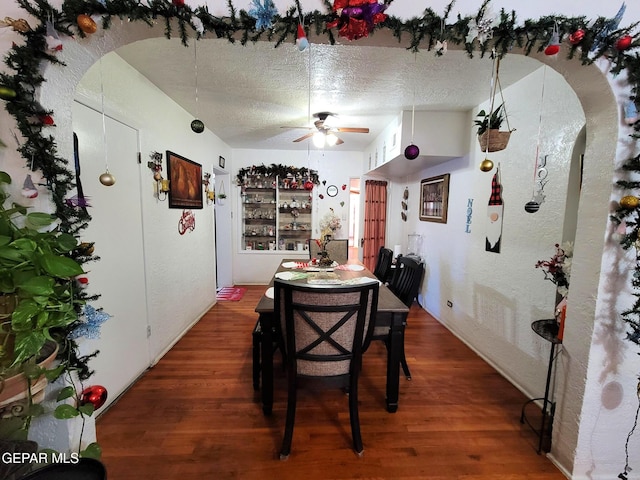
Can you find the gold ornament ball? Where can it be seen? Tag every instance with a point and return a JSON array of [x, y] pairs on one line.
[[107, 179], [629, 201], [87, 24], [486, 165], [86, 248]]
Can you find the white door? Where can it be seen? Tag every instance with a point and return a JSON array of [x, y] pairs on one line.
[[116, 229]]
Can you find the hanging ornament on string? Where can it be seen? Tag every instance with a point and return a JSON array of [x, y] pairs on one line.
[[106, 178], [197, 126], [301, 40], [482, 27], [540, 171], [412, 151], [441, 44], [554, 43]]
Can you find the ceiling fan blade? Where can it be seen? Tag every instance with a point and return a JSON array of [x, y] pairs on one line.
[[339, 141], [304, 128], [304, 137], [352, 130]]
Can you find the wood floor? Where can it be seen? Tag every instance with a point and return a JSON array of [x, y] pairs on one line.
[[196, 415]]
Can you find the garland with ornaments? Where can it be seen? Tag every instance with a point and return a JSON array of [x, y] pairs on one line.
[[584, 39], [307, 177]]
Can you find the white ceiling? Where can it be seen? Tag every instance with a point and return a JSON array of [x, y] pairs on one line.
[[246, 94]]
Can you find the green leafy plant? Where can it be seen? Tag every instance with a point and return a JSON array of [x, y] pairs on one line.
[[485, 121], [37, 283]]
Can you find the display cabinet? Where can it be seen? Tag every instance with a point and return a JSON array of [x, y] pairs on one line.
[[294, 219], [259, 215], [275, 215]]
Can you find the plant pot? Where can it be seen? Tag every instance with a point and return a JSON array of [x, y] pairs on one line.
[[14, 389], [494, 140]]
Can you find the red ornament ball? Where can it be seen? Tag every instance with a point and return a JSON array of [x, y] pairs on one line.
[[308, 185], [624, 43], [576, 37], [178, 3], [96, 395], [552, 49]]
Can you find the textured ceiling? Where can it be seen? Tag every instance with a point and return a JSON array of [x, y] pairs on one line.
[[246, 94]]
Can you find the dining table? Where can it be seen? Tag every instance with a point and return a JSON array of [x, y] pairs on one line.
[[391, 312]]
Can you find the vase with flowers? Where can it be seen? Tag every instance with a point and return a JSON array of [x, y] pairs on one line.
[[329, 224], [558, 270]]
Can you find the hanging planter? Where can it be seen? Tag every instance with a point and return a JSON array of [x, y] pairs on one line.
[[490, 137]]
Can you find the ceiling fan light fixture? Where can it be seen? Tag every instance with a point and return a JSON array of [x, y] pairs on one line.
[[331, 139], [319, 139]]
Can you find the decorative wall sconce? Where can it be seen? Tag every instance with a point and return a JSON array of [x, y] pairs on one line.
[[209, 195], [162, 184]]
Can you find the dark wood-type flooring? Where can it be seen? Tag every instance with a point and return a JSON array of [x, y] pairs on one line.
[[195, 415]]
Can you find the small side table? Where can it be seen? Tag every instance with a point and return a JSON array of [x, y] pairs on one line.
[[547, 329]]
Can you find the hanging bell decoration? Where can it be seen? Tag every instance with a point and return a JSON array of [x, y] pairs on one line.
[[107, 179]]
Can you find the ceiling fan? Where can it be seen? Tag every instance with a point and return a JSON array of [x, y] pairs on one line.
[[326, 134]]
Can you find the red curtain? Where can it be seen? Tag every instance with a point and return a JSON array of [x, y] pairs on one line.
[[375, 221]]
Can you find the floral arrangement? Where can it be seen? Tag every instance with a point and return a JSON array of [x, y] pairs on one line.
[[330, 223], [558, 268]]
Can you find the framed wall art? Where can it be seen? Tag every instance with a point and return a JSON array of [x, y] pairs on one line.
[[434, 198], [185, 182]]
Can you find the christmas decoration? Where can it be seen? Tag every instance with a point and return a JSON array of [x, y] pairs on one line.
[[495, 210], [47, 120], [623, 43], [630, 112], [29, 190], [411, 152], [357, 18], [576, 37], [96, 395], [90, 326], [629, 201], [86, 24], [609, 26], [107, 179], [554, 44], [77, 201], [197, 126], [19, 25], [7, 93], [486, 165], [531, 207], [481, 27], [263, 13], [282, 171], [301, 40], [178, 3], [53, 39]]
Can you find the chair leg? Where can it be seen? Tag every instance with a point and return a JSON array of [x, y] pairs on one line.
[[355, 419], [291, 418], [405, 366]]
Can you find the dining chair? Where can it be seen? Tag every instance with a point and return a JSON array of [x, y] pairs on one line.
[[338, 250], [325, 329], [382, 269], [405, 283]]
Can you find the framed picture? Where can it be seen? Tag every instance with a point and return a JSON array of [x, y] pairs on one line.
[[221, 161], [185, 182], [434, 198]]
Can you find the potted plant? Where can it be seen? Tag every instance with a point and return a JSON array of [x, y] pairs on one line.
[[38, 304], [489, 135]]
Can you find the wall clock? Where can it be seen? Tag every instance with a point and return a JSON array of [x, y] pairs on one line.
[[332, 190]]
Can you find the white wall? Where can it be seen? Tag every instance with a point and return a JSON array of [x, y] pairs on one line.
[[334, 168]]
